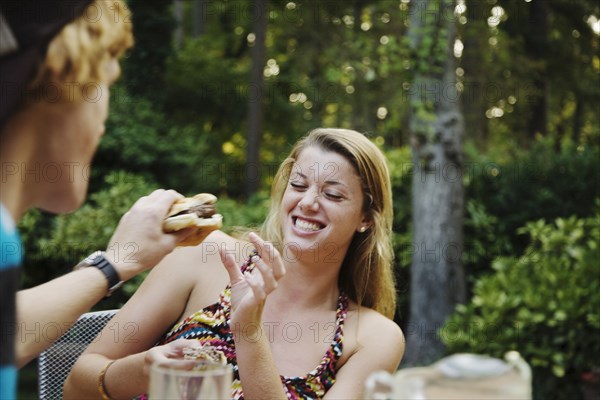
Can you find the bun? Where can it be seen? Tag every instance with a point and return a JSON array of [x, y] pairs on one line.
[[194, 212], [186, 203]]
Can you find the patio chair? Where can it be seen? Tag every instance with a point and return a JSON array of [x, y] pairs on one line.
[[55, 363]]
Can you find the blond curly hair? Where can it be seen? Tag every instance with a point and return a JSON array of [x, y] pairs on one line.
[[80, 53]]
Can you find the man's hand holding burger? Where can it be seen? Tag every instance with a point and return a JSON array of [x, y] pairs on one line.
[[142, 239]]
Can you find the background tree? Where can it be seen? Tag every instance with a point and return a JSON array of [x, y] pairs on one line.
[[474, 63], [255, 97], [153, 25], [436, 127], [540, 70]]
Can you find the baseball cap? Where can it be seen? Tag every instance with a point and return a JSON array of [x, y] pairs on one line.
[[26, 29]]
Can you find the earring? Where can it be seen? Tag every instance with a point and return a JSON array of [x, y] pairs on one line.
[[362, 229]]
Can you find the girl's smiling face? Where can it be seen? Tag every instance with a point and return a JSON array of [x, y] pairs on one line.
[[322, 206]]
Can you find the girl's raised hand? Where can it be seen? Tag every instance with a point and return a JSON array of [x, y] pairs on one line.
[[250, 289]]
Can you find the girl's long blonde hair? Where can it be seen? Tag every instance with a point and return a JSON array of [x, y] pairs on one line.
[[367, 271]]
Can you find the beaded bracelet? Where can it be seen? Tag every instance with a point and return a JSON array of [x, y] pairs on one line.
[[101, 385]]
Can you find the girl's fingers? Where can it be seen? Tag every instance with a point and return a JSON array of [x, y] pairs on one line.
[[269, 281], [256, 286], [276, 261], [269, 255], [235, 275], [260, 245]]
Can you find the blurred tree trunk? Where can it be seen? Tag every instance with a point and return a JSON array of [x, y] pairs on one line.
[[199, 8], [578, 119], [436, 127], [473, 63], [536, 43], [178, 14], [255, 98], [144, 69], [360, 106]]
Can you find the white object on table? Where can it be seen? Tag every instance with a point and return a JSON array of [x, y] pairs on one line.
[[458, 377]]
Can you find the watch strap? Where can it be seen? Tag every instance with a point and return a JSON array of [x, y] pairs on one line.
[[109, 272], [98, 260]]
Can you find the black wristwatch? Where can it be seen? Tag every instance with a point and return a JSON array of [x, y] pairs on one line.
[[98, 260]]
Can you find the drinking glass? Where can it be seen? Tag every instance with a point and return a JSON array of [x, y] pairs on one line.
[[190, 380]]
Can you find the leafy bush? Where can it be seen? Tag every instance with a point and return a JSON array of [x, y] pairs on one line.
[[541, 184], [544, 304], [504, 192], [500, 197], [400, 165], [247, 216], [141, 139], [33, 226], [90, 227], [189, 157], [482, 241]]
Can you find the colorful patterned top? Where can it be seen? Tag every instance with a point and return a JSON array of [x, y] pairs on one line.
[[211, 327]]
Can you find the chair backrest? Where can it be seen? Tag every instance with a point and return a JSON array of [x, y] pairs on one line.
[[56, 362]]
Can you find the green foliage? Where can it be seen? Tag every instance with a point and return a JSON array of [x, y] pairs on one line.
[[141, 139], [247, 216], [481, 240], [144, 67], [501, 196], [200, 90], [400, 165], [90, 227], [543, 304], [34, 225], [76, 235], [535, 47], [539, 184]]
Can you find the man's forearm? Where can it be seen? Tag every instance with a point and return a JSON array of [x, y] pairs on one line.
[[46, 311]]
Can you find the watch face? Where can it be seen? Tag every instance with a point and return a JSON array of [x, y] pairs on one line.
[[94, 258]]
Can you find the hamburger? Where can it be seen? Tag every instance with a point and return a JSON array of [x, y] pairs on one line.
[[206, 353], [197, 212]]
